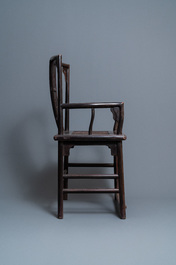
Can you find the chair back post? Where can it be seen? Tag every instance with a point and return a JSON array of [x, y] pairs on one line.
[[66, 71], [53, 87], [60, 97], [56, 67]]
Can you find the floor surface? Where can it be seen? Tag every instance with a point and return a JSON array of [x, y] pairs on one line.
[[90, 233]]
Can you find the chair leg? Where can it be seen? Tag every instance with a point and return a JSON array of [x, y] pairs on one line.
[[60, 180], [65, 172], [121, 182], [116, 184]]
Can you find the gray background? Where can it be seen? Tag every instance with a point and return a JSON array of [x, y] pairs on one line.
[[118, 51]]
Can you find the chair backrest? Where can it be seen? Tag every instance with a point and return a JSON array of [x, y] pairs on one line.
[[56, 69]]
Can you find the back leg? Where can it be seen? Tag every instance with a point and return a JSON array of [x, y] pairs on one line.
[[116, 182], [65, 172], [121, 182]]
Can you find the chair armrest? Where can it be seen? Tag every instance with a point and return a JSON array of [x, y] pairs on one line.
[[91, 105], [117, 109]]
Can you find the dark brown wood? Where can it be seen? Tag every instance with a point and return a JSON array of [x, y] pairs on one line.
[[67, 149], [93, 137], [53, 88], [66, 71], [116, 117], [89, 105], [68, 139], [65, 172], [90, 190], [116, 181], [120, 126], [56, 64], [60, 99], [65, 65], [60, 180], [92, 120], [113, 148], [90, 164], [121, 182], [92, 176]]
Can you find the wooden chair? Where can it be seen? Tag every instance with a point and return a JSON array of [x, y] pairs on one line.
[[68, 139]]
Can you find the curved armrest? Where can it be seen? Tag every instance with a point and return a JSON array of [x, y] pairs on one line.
[[91, 105]]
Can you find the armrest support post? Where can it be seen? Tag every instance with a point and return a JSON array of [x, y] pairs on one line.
[[92, 120]]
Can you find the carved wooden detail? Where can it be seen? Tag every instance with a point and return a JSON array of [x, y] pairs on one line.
[[113, 147], [116, 116], [67, 149]]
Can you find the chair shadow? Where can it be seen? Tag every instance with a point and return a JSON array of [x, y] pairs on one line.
[[35, 169]]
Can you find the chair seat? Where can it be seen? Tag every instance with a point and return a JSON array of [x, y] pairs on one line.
[[95, 136]]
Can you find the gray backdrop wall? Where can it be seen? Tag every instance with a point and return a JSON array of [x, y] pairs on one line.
[[118, 50]]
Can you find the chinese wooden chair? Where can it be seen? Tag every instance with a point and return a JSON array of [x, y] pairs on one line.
[[67, 139]]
